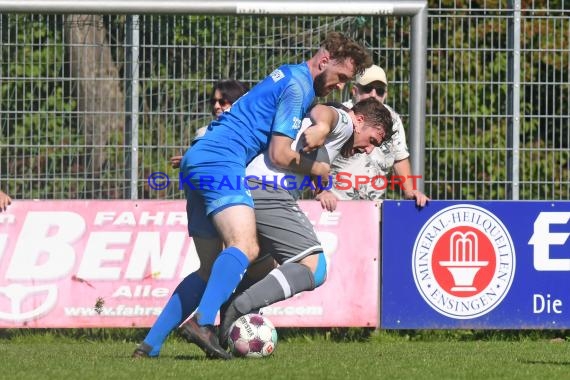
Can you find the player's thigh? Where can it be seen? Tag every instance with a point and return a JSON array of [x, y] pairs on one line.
[[311, 261], [217, 190], [261, 268], [283, 229], [199, 223], [208, 250], [236, 227]]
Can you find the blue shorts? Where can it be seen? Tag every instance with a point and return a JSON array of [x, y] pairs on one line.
[[210, 188]]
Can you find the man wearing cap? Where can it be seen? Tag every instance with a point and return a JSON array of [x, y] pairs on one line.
[[394, 154]]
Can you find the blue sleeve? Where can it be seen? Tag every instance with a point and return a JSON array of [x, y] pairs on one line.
[[290, 110]]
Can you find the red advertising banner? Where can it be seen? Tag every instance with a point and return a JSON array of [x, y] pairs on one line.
[[115, 263]]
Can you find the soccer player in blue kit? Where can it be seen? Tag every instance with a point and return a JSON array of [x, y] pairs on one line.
[[267, 118]]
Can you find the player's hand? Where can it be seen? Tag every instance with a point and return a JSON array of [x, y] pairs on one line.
[[328, 200], [5, 201], [175, 161], [322, 170], [314, 137], [421, 198]]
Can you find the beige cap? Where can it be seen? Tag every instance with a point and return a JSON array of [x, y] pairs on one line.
[[372, 74]]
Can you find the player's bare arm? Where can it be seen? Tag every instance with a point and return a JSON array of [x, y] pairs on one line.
[[323, 119], [282, 156]]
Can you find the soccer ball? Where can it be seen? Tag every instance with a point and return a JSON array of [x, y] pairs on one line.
[[252, 336]]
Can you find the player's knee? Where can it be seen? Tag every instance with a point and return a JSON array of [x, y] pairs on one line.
[[251, 250], [320, 272]]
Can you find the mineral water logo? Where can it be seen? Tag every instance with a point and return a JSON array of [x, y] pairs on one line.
[[463, 262]]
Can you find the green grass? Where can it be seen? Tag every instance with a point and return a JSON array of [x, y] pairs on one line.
[[346, 355]]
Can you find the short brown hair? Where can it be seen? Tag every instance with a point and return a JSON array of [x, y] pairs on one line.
[[341, 47], [375, 115]]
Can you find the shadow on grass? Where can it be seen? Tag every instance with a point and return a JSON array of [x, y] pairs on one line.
[[473, 335], [193, 357], [351, 334], [544, 362]]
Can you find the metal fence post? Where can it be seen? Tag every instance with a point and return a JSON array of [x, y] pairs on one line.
[[132, 106], [514, 90], [417, 105]]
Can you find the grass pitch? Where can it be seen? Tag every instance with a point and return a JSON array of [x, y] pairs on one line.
[[379, 356]]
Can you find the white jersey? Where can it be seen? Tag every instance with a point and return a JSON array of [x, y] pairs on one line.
[[200, 131], [262, 169], [378, 163]]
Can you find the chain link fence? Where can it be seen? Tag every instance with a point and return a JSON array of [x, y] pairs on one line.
[[67, 84]]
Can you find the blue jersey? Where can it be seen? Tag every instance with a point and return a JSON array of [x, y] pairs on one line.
[[275, 105], [213, 169]]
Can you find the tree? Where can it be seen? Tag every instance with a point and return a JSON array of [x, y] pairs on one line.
[[98, 91]]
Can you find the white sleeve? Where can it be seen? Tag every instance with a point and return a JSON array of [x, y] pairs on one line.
[[339, 135]]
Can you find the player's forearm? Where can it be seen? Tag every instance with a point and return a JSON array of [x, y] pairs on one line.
[[282, 156], [324, 116], [305, 165], [299, 163], [323, 119]]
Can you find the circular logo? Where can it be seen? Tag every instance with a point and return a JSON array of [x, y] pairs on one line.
[[463, 261], [158, 181]]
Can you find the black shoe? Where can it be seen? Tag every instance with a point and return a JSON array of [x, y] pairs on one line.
[[142, 351], [205, 337], [228, 315]]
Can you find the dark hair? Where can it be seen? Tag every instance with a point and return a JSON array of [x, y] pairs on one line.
[[376, 115], [341, 47], [230, 89]]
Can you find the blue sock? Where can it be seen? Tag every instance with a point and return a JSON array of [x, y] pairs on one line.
[[227, 272], [179, 307]]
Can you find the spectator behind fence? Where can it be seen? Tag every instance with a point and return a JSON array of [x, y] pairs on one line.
[[224, 94], [392, 155], [5, 201]]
